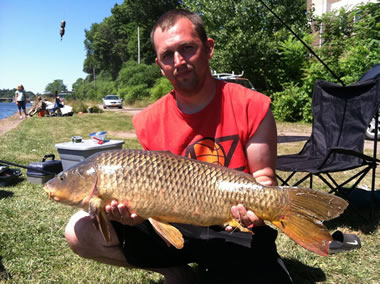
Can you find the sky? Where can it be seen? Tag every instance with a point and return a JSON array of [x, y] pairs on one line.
[[31, 50]]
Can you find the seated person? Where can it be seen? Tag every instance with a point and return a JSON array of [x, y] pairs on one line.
[[58, 104]]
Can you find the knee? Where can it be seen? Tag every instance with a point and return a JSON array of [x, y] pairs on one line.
[[75, 234]]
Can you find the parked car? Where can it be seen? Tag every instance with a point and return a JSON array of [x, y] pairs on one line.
[[234, 78], [370, 134], [112, 101]]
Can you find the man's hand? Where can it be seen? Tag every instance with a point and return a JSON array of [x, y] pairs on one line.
[[246, 218], [120, 213]]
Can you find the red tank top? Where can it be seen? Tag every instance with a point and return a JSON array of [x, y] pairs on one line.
[[217, 134]]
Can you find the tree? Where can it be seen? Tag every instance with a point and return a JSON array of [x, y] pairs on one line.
[[113, 42], [247, 36], [56, 86]]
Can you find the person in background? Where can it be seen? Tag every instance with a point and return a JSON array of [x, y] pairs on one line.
[[20, 99], [38, 106], [58, 103], [209, 120]]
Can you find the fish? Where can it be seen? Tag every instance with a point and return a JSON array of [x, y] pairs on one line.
[[165, 188]]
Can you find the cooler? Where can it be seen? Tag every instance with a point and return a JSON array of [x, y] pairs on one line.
[[72, 153], [50, 168]]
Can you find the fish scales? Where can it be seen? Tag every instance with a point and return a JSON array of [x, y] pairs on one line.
[[164, 188]]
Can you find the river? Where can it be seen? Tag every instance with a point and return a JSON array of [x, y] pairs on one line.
[[7, 109]]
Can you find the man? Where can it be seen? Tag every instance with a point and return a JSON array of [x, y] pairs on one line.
[[209, 120]]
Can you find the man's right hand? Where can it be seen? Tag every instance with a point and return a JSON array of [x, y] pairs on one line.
[[119, 212]]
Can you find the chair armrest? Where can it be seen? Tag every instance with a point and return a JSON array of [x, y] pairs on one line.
[[350, 152]]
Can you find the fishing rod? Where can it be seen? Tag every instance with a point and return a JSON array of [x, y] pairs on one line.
[[308, 48], [28, 168]]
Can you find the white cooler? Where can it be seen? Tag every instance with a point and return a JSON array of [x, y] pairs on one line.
[[72, 153]]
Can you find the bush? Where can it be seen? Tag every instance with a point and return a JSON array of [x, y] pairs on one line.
[[80, 106], [160, 88], [95, 109], [292, 104], [134, 93]]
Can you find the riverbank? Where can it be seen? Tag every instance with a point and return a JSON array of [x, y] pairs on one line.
[[9, 123]]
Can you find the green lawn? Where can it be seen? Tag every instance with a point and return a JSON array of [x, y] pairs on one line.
[[32, 244]]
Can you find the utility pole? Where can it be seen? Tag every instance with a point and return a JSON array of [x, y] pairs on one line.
[[93, 72], [138, 44]]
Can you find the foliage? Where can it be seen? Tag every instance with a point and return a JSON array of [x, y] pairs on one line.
[[80, 106], [56, 86], [291, 104], [160, 88], [247, 37], [113, 42], [351, 43], [10, 93], [135, 80], [94, 109], [135, 93], [351, 46]]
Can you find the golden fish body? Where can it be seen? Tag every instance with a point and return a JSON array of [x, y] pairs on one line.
[[164, 188]]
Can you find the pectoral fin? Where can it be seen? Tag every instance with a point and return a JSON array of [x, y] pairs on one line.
[[168, 233], [96, 211]]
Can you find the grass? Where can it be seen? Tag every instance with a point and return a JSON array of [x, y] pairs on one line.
[[32, 244]]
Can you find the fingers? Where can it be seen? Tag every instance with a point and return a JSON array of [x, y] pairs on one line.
[[119, 212], [246, 218]]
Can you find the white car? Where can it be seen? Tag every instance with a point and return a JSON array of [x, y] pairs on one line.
[[66, 110], [234, 78], [370, 133], [112, 101]]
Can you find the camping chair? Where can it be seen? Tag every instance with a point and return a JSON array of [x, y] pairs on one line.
[[341, 116]]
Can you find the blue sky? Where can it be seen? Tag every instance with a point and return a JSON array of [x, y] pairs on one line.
[[31, 50]]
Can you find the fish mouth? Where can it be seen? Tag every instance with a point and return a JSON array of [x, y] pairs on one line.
[[51, 195]]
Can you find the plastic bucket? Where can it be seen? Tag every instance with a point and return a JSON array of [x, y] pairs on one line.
[[98, 137]]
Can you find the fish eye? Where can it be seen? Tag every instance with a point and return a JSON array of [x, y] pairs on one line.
[[62, 177]]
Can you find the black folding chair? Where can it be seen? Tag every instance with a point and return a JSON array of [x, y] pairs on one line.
[[341, 116]]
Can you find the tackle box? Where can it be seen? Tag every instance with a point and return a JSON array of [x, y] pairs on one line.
[[72, 153], [41, 172]]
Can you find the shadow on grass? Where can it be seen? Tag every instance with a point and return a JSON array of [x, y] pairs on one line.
[[302, 273], [362, 214], [5, 194], [3, 272]]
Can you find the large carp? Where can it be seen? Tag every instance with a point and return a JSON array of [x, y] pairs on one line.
[[164, 188]]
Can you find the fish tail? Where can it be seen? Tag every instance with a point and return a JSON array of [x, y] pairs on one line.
[[302, 219]]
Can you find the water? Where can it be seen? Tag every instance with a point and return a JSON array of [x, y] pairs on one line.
[[7, 109]]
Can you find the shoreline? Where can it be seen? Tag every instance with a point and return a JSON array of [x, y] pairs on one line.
[[9, 123]]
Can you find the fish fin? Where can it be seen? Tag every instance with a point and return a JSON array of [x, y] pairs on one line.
[[168, 233], [235, 224], [104, 225], [302, 219], [96, 211]]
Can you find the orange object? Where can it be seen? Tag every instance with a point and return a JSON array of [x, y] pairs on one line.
[[41, 113]]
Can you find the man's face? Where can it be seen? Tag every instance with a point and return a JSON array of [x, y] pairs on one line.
[[182, 56]]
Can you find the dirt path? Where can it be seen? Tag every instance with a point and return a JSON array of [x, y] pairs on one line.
[[9, 123]]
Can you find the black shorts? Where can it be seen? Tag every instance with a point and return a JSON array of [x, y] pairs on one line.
[[231, 256], [21, 105]]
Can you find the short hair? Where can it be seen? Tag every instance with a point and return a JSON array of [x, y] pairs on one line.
[[169, 19]]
